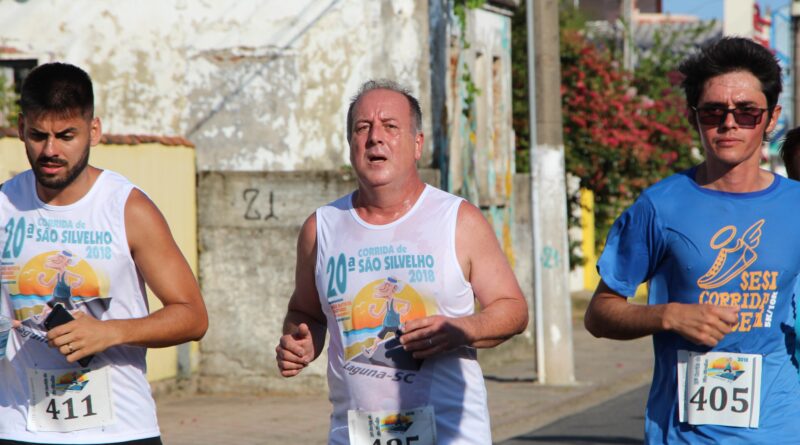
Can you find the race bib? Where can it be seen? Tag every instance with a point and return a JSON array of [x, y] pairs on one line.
[[719, 388], [404, 427], [65, 400]]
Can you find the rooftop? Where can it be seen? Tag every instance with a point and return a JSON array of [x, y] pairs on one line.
[[122, 139]]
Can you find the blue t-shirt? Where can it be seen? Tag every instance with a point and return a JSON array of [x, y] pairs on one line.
[[695, 245], [796, 359]]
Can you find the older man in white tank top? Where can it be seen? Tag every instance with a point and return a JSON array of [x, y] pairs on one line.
[[418, 383]]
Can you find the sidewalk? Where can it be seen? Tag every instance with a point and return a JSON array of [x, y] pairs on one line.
[[603, 368]]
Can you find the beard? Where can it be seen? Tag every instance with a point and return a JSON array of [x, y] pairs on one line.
[[59, 182]]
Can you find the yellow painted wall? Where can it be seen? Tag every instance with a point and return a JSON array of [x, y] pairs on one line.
[[590, 276], [167, 175]]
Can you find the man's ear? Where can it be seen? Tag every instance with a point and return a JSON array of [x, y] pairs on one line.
[[773, 120], [95, 131], [419, 141]]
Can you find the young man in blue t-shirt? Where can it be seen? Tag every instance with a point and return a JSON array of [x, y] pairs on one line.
[[719, 248]]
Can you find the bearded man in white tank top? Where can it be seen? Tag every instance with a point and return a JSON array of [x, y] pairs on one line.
[[418, 382], [82, 242]]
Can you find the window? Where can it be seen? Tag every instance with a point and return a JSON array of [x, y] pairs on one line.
[[15, 71]]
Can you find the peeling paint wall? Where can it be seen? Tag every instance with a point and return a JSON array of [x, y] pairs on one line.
[[480, 135], [133, 53], [474, 143], [255, 84]]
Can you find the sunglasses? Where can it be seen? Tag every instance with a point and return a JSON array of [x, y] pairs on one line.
[[747, 117]]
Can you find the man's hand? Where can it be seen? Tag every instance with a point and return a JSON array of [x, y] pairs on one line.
[[610, 315], [428, 336], [295, 351], [82, 337], [703, 324]]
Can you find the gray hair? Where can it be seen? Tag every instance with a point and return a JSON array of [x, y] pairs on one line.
[[391, 85]]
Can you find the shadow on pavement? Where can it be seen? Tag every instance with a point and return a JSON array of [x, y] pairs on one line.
[[501, 379], [578, 440], [616, 421]]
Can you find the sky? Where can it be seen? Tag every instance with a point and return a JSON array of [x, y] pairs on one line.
[[711, 9]]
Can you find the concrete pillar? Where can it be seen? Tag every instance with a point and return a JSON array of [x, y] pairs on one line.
[[555, 363], [627, 40]]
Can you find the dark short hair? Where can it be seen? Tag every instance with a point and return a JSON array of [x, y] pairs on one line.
[[58, 88], [727, 55], [385, 84], [789, 151]]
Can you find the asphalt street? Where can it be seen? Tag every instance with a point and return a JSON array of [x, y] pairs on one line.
[[619, 421]]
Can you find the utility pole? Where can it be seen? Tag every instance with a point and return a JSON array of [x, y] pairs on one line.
[[627, 35], [553, 307]]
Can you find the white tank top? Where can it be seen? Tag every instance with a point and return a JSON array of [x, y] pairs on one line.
[[77, 255], [370, 280]]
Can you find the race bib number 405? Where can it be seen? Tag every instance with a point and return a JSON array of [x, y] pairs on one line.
[[405, 427], [69, 399], [719, 388]]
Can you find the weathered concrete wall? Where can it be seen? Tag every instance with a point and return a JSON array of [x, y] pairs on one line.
[[282, 106], [480, 136], [255, 84], [474, 127], [523, 346], [248, 227]]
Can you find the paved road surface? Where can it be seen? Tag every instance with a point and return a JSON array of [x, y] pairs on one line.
[[619, 421], [604, 369]]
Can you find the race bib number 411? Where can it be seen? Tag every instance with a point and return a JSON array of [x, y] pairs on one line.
[[69, 399], [719, 388]]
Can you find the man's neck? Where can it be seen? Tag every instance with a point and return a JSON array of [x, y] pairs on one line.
[[742, 178], [387, 203], [71, 193]]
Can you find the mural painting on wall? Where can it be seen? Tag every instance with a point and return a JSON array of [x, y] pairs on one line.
[[481, 138]]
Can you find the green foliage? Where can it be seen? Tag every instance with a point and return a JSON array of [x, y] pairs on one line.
[[460, 8], [617, 140], [623, 131], [9, 106], [520, 101], [520, 113], [568, 19]]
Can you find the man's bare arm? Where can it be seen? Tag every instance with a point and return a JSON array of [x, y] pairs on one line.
[[304, 326], [503, 310], [162, 265], [610, 315]]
